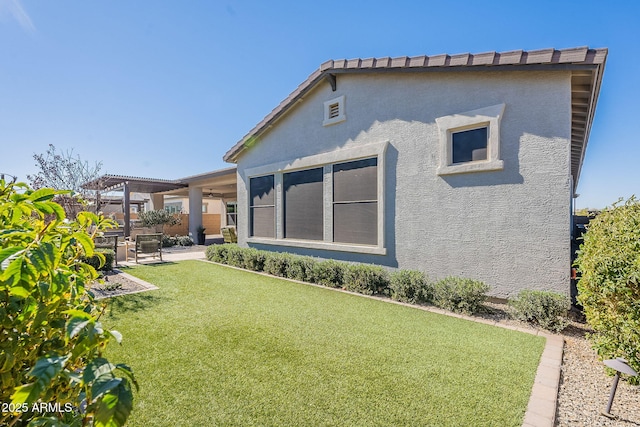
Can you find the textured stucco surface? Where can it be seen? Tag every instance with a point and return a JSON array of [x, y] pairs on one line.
[[509, 228]]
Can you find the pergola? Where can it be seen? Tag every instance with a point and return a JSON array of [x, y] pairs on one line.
[[218, 184]]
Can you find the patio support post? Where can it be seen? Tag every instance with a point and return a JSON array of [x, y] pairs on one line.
[[127, 210], [195, 211], [223, 214]]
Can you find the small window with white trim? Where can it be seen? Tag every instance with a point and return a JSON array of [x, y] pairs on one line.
[[334, 111], [470, 141]]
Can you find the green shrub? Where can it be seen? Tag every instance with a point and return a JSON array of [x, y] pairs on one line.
[[329, 273], [102, 263], [254, 259], [276, 263], [218, 253], [184, 240], [300, 268], [51, 338], [366, 279], [459, 295], [168, 241], [410, 286], [543, 308], [235, 256], [609, 287]]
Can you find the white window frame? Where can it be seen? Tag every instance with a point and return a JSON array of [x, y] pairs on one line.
[[325, 160], [173, 207], [488, 117], [341, 117]]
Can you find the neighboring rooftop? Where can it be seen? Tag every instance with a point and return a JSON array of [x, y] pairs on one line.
[[136, 184], [586, 66], [219, 181]]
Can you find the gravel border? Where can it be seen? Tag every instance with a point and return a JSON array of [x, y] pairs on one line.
[[585, 387], [128, 284]]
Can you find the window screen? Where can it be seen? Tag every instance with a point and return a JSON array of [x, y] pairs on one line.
[[303, 204], [355, 202], [262, 207], [469, 145]]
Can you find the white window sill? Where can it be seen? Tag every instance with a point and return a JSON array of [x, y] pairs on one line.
[[315, 244], [479, 166]]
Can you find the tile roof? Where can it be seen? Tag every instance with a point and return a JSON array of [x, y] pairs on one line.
[[589, 61]]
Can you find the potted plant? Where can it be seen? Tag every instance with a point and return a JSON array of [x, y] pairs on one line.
[[201, 236]]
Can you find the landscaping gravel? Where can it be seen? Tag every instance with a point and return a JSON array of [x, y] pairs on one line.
[[584, 386], [118, 283]]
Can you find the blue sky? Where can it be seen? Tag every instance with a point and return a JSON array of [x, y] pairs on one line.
[[163, 89]]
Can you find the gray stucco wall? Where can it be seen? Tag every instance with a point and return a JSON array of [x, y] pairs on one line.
[[509, 228]]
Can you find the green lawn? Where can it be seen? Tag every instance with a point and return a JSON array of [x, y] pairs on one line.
[[217, 346]]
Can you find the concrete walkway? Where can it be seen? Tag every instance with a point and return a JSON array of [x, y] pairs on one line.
[[175, 253]]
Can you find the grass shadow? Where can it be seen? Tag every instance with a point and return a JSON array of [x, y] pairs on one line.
[[160, 264], [132, 303]]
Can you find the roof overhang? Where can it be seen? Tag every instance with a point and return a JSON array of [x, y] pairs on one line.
[[586, 67], [135, 184], [219, 183]]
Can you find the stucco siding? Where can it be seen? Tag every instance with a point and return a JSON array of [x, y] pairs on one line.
[[509, 228]]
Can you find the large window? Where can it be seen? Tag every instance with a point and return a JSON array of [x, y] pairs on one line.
[[303, 204], [262, 207], [355, 202], [232, 213], [327, 201]]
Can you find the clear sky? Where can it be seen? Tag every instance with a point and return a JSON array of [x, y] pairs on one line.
[[162, 89]]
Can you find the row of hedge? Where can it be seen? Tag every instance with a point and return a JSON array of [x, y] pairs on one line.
[[170, 241], [461, 295]]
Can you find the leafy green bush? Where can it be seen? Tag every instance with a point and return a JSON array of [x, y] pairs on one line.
[[235, 256], [328, 273], [276, 263], [217, 253], [410, 286], [52, 343], [609, 287], [300, 268], [459, 295], [366, 279], [168, 241], [102, 263], [184, 240], [253, 259], [544, 308]]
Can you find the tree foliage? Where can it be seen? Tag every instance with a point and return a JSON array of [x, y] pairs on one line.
[[52, 368], [609, 287], [65, 171], [159, 217]]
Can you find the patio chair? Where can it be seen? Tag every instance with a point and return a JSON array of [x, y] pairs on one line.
[[229, 234], [148, 244]]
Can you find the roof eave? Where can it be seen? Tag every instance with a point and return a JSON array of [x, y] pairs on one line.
[[600, 59], [580, 58]]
